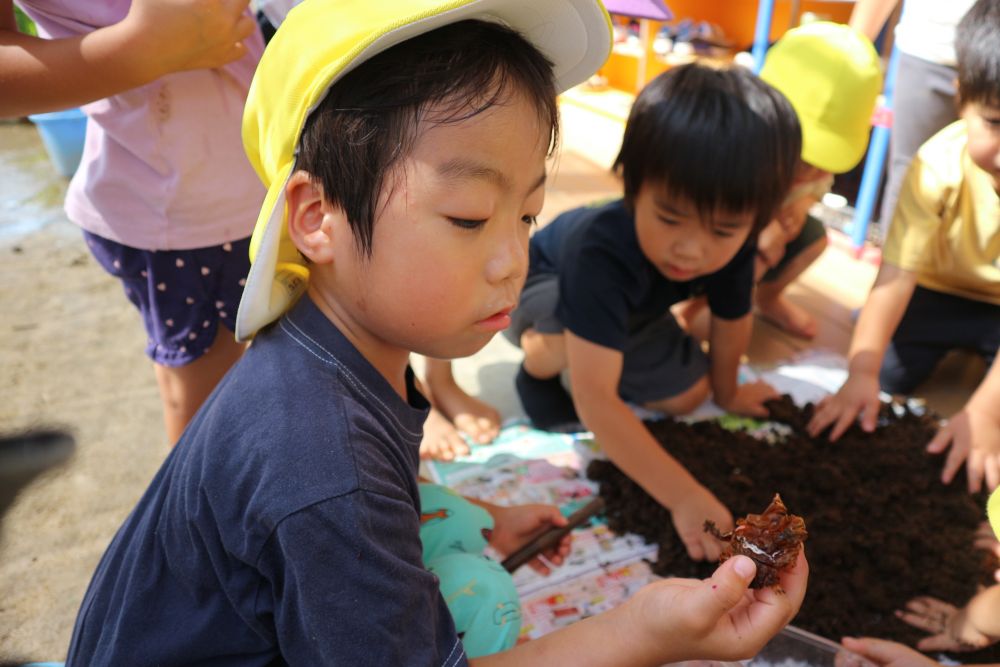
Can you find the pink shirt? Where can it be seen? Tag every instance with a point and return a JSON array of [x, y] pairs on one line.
[[163, 166]]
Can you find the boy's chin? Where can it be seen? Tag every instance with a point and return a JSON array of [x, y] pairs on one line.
[[456, 349]]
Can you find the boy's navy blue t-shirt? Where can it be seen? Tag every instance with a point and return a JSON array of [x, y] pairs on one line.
[[282, 529], [609, 289]]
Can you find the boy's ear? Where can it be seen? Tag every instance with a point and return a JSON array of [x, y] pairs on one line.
[[311, 219]]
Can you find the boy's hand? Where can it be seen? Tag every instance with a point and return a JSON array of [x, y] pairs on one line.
[[974, 437], [949, 628], [689, 521], [881, 652], [176, 35], [859, 395], [515, 526], [719, 618], [749, 399]]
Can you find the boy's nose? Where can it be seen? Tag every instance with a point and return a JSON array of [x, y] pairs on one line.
[[509, 256]]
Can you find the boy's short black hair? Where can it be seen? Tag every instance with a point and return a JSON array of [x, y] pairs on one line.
[[721, 138], [367, 122], [977, 50]]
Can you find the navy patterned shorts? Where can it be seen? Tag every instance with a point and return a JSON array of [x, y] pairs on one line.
[[183, 295]]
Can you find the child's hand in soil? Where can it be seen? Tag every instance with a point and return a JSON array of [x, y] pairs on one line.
[[949, 628], [515, 526], [689, 519], [882, 653], [749, 399], [973, 434], [858, 397], [717, 618]]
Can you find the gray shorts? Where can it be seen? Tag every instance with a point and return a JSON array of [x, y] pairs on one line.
[[660, 360]]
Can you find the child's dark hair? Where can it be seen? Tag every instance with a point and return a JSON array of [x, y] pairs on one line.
[[721, 138], [367, 122], [977, 50]]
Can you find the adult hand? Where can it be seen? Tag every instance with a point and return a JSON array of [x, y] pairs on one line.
[[973, 436], [749, 399], [176, 35], [689, 519], [515, 526], [883, 653], [719, 618], [858, 396]]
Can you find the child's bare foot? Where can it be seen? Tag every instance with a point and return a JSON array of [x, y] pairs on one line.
[[785, 315], [478, 420], [441, 440]]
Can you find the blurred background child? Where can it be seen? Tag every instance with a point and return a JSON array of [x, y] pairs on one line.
[[938, 287]]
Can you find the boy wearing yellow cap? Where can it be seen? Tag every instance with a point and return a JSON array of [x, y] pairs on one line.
[[404, 147], [832, 76], [939, 284]]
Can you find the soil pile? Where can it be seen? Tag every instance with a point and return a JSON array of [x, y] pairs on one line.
[[882, 527]]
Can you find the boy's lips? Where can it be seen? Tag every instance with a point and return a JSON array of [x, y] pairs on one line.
[[498, 321], [678, 273]]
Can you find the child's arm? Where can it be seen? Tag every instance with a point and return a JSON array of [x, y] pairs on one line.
[[673, 620], [879, 318], [868, 16], [155, 38], [594, 375], [974, 434], [729, 340]]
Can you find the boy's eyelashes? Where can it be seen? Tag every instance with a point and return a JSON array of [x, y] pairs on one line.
[[467, 224], [464, 223]]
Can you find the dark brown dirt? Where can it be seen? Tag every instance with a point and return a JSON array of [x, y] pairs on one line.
[[882, 527]]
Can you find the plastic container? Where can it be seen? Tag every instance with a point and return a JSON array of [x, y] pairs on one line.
[[793, 647], [62, 133]]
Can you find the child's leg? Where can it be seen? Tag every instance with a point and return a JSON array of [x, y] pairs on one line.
[[664, 369], [188, 301], [468, 414], [772, 304], [483, 601], [538, 381], [184, 388], [933, 324]]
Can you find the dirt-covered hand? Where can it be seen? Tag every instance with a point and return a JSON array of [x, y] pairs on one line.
[[973, 436], [515, 526], [177, 35], [949, 628], [749, 399], [882, 653], [689, 519], [858, 397], [718, 618]]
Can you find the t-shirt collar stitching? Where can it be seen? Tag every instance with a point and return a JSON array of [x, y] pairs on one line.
[[331, 359]]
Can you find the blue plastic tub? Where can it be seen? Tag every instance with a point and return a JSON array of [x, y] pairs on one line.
[[62, 133]]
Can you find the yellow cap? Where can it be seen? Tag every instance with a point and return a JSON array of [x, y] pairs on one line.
[[993, 511], [832, 76], [319, 42]]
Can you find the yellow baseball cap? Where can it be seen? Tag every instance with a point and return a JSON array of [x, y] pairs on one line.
[[832, 75], [319, 42]]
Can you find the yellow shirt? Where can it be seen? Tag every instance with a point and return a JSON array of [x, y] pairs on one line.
[[946, 227]]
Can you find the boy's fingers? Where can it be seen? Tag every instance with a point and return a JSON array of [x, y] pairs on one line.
[[725, 589], [992, 469], [880, 650], [952, 463], [940, 440], [974, 469]]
